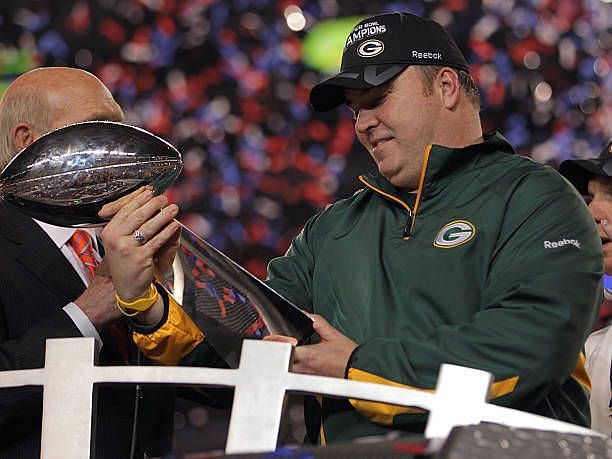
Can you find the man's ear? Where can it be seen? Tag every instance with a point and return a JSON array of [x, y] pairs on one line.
[[449, 88], [23, 135]]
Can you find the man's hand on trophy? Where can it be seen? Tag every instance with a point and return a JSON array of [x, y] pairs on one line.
[[328, 357], [142, 232], [110, 209], [164, 257]]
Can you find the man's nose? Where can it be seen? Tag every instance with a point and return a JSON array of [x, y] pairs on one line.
[[366, 119], [598, 210]]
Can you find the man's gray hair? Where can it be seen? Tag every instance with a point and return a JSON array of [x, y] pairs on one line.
[[30, 105], [466, 82]]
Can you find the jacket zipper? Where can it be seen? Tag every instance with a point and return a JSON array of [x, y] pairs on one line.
[[407, 233]]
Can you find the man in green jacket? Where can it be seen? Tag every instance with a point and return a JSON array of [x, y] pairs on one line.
[[458, 251]]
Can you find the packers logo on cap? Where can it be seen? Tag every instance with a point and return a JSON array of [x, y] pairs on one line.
[[454, 233], [371, 48]]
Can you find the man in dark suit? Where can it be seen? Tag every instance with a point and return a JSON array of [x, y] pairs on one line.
[[45, 289]]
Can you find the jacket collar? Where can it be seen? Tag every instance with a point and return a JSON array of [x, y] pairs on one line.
[[443, 165], [31, 247]]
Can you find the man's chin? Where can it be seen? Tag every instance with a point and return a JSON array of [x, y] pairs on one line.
[[389, 171], [399, 181]]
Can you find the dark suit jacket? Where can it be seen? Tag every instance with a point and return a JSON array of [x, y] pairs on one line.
[[36, 282]]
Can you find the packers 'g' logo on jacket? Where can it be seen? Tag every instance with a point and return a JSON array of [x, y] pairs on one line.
[[454, 233]]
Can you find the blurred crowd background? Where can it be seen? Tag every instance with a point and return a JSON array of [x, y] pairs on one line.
[[227, 83]]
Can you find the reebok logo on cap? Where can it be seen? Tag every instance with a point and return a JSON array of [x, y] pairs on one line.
[[426, 55]]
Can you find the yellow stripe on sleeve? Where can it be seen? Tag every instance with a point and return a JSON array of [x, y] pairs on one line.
[[380, 413], [383, 413], [580, 374], [173, 340]]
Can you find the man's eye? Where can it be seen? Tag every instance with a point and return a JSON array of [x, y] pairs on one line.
[[587, 199]]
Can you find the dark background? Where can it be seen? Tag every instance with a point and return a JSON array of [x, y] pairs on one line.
[[225, 82]]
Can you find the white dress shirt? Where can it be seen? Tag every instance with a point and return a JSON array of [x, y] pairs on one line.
[[61, 238]]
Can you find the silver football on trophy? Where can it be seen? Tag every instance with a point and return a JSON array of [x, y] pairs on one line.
[[66, 176]]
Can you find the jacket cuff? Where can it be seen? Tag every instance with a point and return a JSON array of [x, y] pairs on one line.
[[349, 363], [173, 339]]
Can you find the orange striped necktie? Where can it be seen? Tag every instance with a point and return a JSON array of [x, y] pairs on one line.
[[82, 243]]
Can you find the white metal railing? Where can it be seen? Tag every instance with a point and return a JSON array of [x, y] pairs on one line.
[[260, 384]]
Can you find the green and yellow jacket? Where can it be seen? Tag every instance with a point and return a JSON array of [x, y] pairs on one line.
[[494, 263]]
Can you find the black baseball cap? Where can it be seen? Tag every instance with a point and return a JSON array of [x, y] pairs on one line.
[[580, 171], [379, 48]]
